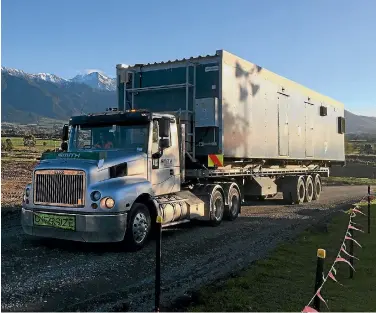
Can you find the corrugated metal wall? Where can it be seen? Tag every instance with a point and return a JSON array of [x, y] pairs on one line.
[[207, 86]]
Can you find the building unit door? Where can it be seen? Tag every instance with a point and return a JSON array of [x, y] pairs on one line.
[[309, 127], [283, 125]]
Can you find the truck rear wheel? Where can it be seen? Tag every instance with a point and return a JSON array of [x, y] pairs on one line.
[[317, 187], [234, 203], [294, 190], [309, 189], [217, 204], [139, 226]]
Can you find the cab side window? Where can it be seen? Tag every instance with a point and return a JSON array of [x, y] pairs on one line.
[[155, 144]]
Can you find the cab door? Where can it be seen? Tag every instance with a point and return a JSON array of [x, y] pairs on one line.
[[165, 167]]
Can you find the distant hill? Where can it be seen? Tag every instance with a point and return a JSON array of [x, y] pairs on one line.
[[360, 124]]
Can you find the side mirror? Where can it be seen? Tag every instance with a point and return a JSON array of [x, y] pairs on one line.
[[164, 143], [65, 133], [64, 146], [164, 127]]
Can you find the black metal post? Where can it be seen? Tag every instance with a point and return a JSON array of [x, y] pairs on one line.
[[321, 254], [158, 253], [369, 209], [352, 253]]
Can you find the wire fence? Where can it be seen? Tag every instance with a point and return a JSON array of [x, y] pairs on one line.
[[345, 254]]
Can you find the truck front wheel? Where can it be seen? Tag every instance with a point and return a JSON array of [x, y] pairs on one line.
[[139, 226]]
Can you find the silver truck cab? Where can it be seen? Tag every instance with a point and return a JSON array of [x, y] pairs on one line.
[[103, 187]]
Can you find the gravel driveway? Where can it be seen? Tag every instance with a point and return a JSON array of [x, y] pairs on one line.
[[54, 275]]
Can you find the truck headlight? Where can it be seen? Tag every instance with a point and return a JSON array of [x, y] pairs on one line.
[[27, 192], [107, 203], [95, 195]]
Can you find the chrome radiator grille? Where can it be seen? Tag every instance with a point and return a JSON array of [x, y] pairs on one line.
[[59, 187]]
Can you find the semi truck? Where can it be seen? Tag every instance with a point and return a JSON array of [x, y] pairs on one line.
[[189, 139]]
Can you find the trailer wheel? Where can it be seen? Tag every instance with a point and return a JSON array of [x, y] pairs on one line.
[[309, 189], [217, 204], [317, 187], [294, 190], [234, 204], [139, 226]]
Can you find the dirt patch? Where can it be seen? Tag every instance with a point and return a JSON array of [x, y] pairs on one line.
[[15, 175]]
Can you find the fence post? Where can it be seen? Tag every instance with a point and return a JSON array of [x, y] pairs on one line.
[[352, 253], [158, 253], [321, 254], [369, 209]]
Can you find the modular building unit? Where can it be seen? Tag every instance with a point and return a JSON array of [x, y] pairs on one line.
[[238, 109]]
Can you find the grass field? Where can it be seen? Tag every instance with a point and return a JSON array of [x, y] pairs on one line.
[[350, 180], [18, 143], [22, 153], [285, 281]]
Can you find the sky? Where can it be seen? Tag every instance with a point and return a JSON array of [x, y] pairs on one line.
[[328, 46]]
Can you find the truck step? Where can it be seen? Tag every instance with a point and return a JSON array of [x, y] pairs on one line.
[[175, 223]]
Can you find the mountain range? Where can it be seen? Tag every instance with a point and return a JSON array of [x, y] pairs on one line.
[[26, 98], [93, 79]]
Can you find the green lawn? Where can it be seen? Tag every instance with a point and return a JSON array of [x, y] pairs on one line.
[[39, 147], [350, 180], [285, 280]]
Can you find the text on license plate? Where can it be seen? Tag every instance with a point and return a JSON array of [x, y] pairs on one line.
[[53, 220]]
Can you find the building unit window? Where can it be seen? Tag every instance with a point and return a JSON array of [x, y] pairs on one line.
[[341, 125], [323, 111]]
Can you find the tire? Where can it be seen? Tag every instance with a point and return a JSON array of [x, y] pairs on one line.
[[309, 189], [294, 190], [139, 227], [317, 187], [234, 203], [217, 206]]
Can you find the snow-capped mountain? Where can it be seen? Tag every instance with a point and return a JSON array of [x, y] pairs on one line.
[[27, 98], [14, 72], [50, 78], [41, 76], [94, 79]]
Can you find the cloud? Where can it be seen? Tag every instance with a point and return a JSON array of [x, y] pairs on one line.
[[91, 70]]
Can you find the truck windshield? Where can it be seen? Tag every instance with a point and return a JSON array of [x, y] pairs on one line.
[[132, 138]]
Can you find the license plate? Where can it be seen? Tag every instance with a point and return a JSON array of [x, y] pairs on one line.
[[54, 220]]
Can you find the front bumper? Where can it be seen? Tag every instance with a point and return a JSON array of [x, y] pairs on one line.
[[89, 228]]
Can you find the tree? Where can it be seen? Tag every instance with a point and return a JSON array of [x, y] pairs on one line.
[[44, 143], [29, 141], [368, 148], [8, 146]]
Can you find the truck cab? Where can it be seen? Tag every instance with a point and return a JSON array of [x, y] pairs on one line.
[[103, 187]]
